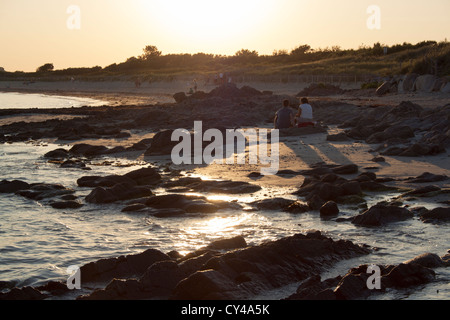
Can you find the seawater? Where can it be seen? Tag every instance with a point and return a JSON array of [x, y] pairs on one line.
[[15, 100], [38, 243]]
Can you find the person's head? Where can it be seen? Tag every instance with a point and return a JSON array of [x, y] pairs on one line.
[[304, 100], [286, 103]]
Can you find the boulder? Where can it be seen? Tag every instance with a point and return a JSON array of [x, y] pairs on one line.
[[436, 215], [68, 204], [425, 83], [88, 150], [428, 177], [384, 88], [180, 97], [13, 186], [409, 81], [162, 144], [446, 88], [329, 209], [42, 191], [119, 192], [57, 154], [379, 215]]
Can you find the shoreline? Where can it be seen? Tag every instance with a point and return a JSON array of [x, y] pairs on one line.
[[125, 127]]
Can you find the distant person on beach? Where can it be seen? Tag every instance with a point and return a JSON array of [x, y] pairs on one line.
[[304, 117], [284, 118]]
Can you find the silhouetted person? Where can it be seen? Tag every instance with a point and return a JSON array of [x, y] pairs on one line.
[[284, 118]]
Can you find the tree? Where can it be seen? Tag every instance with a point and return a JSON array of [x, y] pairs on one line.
[[300, 50], [46, 68], [150, 52]]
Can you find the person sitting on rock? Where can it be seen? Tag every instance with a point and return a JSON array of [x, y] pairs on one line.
[[284, 118], [304, 117]]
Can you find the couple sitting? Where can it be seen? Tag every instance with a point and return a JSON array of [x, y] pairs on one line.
[[286, 117]]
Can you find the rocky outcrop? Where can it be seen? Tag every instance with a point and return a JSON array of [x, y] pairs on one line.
[[354, 285], [238, 274]]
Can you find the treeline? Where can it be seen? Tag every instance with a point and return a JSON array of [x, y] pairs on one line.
[[423, 57]]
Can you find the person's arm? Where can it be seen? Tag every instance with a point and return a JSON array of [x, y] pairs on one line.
[[275, 121]]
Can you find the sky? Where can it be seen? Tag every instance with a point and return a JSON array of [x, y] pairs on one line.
[[88, 33]]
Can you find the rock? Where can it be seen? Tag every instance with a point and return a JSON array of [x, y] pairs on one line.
[[171, 212], [108, 181], [379, 215], [69, 204], [425, 83], [297, 207], [227, 244], [73, 164], [13, 186], [88, 150], [436, 215], [25, 293], [119, 192], [423, 191], [329, 209], [378, 159], [42, 191], [161, 278], [422, 149], [407, 275], [162, 144], [134, 207], [273, 204], [57, 154], [409, 81], [123, 266], [180, 97], [206, 285], [428, 260], [144, 176]]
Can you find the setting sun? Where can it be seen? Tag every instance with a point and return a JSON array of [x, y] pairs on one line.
[[207, 24]]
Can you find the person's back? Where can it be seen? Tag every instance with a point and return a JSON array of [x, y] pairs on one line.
[[284, 117], [306, 111]]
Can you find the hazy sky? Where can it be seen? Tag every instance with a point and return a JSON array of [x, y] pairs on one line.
[[102, 32]]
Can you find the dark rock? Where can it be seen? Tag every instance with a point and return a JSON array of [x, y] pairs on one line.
[[88, 150], [144, 176], [68, 204], [162, 144], [206, 285], [297, 207], [41, 191], [273, 204], [123, 266], [57, 154], [375, 186], [428, 260], [407, 275], [172, 212], [25, 293], [428, 177], [378, 159], [13, 186], [379, 215], [436, 215], [422, 192], [108, 181], [73, 164], [119, 192], [227, 244], [329, 209]]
